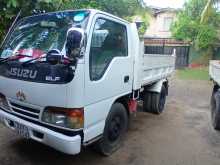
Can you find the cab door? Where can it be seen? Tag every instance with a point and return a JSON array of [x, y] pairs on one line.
[[109, 66], [108, 71]]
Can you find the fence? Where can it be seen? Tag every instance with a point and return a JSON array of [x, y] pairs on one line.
[[166, 46]]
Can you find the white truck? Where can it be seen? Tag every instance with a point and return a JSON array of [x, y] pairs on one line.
[[214, 71], [73, 78]]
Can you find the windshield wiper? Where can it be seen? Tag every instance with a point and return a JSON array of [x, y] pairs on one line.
[[53, 57], [34, 59], [12, 58], [4, 60], [63, 61]]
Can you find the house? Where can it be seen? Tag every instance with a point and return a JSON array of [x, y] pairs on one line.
[[160, 22], [158, 37]]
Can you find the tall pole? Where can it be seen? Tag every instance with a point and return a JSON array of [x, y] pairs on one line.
[[206, 12], [14, 22]]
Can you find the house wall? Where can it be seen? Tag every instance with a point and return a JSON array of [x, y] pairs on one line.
[[157, 27]]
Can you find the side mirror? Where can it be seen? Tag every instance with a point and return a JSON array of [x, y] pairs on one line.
[[75, 43]]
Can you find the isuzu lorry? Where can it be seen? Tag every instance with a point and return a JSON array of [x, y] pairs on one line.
[[214, 71], [69, 79]]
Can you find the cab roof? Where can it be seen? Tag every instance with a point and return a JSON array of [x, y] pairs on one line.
[[93, 12]]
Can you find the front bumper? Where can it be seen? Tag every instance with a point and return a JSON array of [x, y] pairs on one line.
[[58, 141]]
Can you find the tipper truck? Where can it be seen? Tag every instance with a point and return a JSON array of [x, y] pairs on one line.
[[73, 78], [214, 71]]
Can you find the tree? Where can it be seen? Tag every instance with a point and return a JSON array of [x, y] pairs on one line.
[[9, 8], [198, 23]]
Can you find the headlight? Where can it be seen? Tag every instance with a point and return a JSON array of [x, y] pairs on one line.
[[4, 103], [64, 117]]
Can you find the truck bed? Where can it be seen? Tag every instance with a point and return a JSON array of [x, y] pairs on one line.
[[151, 68], [156, 67], [214, 71]]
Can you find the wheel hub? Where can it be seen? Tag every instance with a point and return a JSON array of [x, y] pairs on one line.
[[115, 128]]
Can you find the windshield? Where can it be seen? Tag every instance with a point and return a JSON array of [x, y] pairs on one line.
[[36, 35]]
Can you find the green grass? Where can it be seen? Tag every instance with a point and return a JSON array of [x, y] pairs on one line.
[[194, 74]]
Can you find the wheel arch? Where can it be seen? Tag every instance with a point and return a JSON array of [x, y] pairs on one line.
[[124, 101], [156, 87], [216, 88], [166, 85]]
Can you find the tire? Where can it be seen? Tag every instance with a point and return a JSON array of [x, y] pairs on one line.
[[155, 102], [115, 128], [147, 102], [215, 110]]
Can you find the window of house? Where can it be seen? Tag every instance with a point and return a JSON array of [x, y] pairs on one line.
[[109, 40], [167, 23]]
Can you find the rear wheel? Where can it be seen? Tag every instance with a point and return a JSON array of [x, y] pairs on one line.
[[115, 129], [155, 102], [215, 110]]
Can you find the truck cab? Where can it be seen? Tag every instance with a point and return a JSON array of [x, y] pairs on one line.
[[69, 79]]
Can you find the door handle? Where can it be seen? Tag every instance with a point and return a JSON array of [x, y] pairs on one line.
[[126, 79]]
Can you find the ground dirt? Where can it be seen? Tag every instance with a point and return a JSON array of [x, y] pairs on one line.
[[182, 135]]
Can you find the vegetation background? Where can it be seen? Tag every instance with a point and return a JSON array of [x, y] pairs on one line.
[[124, 8], [198, 22]]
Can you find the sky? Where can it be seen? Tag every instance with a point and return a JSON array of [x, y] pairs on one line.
[[165, 3]]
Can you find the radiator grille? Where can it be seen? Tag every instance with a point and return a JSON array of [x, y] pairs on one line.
[[25, 111]]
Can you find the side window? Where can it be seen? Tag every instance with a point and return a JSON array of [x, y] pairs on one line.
[[167, 23], [109, 40]]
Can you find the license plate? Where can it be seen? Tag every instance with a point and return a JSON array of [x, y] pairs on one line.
[[21, 130]]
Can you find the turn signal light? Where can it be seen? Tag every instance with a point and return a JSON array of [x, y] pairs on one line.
[[72, 118]]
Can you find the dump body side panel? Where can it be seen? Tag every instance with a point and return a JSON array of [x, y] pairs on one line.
[[156, 67]]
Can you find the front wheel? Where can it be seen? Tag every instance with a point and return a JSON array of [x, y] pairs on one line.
[[115, 129]]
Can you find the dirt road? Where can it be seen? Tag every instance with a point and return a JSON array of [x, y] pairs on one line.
[[182, 135]]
